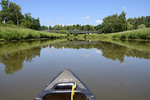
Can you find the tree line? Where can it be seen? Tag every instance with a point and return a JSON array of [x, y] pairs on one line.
[[111, 24], [11, 14]]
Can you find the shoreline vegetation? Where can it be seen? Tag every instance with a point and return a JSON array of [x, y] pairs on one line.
[[17, 26], [138, 34], [17, 33], [11, 33]]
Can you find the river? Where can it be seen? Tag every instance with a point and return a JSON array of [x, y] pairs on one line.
[[115, 70]]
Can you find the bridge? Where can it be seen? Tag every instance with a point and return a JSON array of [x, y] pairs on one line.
[[73, 31]]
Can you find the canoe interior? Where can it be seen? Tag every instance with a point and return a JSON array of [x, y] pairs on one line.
[[64, 97]]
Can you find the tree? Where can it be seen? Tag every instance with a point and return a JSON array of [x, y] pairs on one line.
[[15, 13], [110, 23], [100, 31], [122, 21], [78, 27], [44, 27], [147, 21], [50, 27], [141, 26], [129, 26], [30, 22], [98, 27], [115, 23], [4, 13]]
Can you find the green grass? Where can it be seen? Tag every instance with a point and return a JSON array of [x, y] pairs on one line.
[[15, 46], [138, 45], [19, 33], [139, 34]]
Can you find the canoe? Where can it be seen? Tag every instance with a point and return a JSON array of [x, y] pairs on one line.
[[66, 86]]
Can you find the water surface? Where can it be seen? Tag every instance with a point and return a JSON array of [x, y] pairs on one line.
[[116, 70]]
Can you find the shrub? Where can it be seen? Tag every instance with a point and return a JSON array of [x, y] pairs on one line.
[[129, 26], [10, 22], [100, 31], [141, 26], [64, 32]]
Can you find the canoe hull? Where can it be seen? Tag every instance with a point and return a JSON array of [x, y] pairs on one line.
[[62, 85]]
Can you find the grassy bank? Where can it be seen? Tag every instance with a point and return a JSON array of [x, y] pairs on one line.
[[140, 34], [15, 46], [20, 33]]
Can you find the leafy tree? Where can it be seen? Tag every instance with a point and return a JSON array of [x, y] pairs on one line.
[[110, 23], [50, 27], [4, 13], [44, 27], [115, 23], [138, 21], [122, 21], [100, 31], [10, 22], [57, 27], [129, 26], [30, 22], [78, 27], [141, 26], [147, 21], [15, 13], [98, 27], [0, 19]]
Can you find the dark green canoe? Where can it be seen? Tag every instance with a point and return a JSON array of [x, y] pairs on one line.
[[60, 88]]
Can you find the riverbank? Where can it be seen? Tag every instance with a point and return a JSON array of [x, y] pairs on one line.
[[13, 33], [139, 34], [15, 46], [20, 33]]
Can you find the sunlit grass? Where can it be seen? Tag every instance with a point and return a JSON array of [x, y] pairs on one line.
[[132, 34], [20, 33]]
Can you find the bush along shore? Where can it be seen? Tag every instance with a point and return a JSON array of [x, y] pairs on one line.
[[139, 34], [21, 33]]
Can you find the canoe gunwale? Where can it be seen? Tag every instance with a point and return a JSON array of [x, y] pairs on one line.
[[83, 91]]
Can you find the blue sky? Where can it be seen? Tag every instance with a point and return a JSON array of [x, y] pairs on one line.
[[68, 12]]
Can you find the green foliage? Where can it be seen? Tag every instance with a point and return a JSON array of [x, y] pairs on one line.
[[10, 22], [98, 27], [141, 26], [100, 31], [138, 21], [30, 22], [73, 27], [18, 33], [4, 13], [64, 32], [43, 27], [115, 23], [15, 13], [134, 34], [12, 12], [129, 26]]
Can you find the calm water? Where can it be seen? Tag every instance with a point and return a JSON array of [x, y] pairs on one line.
[[117, 70]]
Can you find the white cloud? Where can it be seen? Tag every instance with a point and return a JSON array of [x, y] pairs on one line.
[[85, 55], [99, 21], [98, 51], [124, 8], [61, 24], [48, 21], [87, 17]]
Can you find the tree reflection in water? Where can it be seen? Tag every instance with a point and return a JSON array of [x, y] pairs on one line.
[[13, 55]]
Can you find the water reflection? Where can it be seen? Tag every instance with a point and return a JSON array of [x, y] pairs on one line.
[[14, 54], [14, 61]]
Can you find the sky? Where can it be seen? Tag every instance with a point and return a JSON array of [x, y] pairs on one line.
[[69, 12]]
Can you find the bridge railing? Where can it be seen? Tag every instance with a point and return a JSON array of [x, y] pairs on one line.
[[73, 31]]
